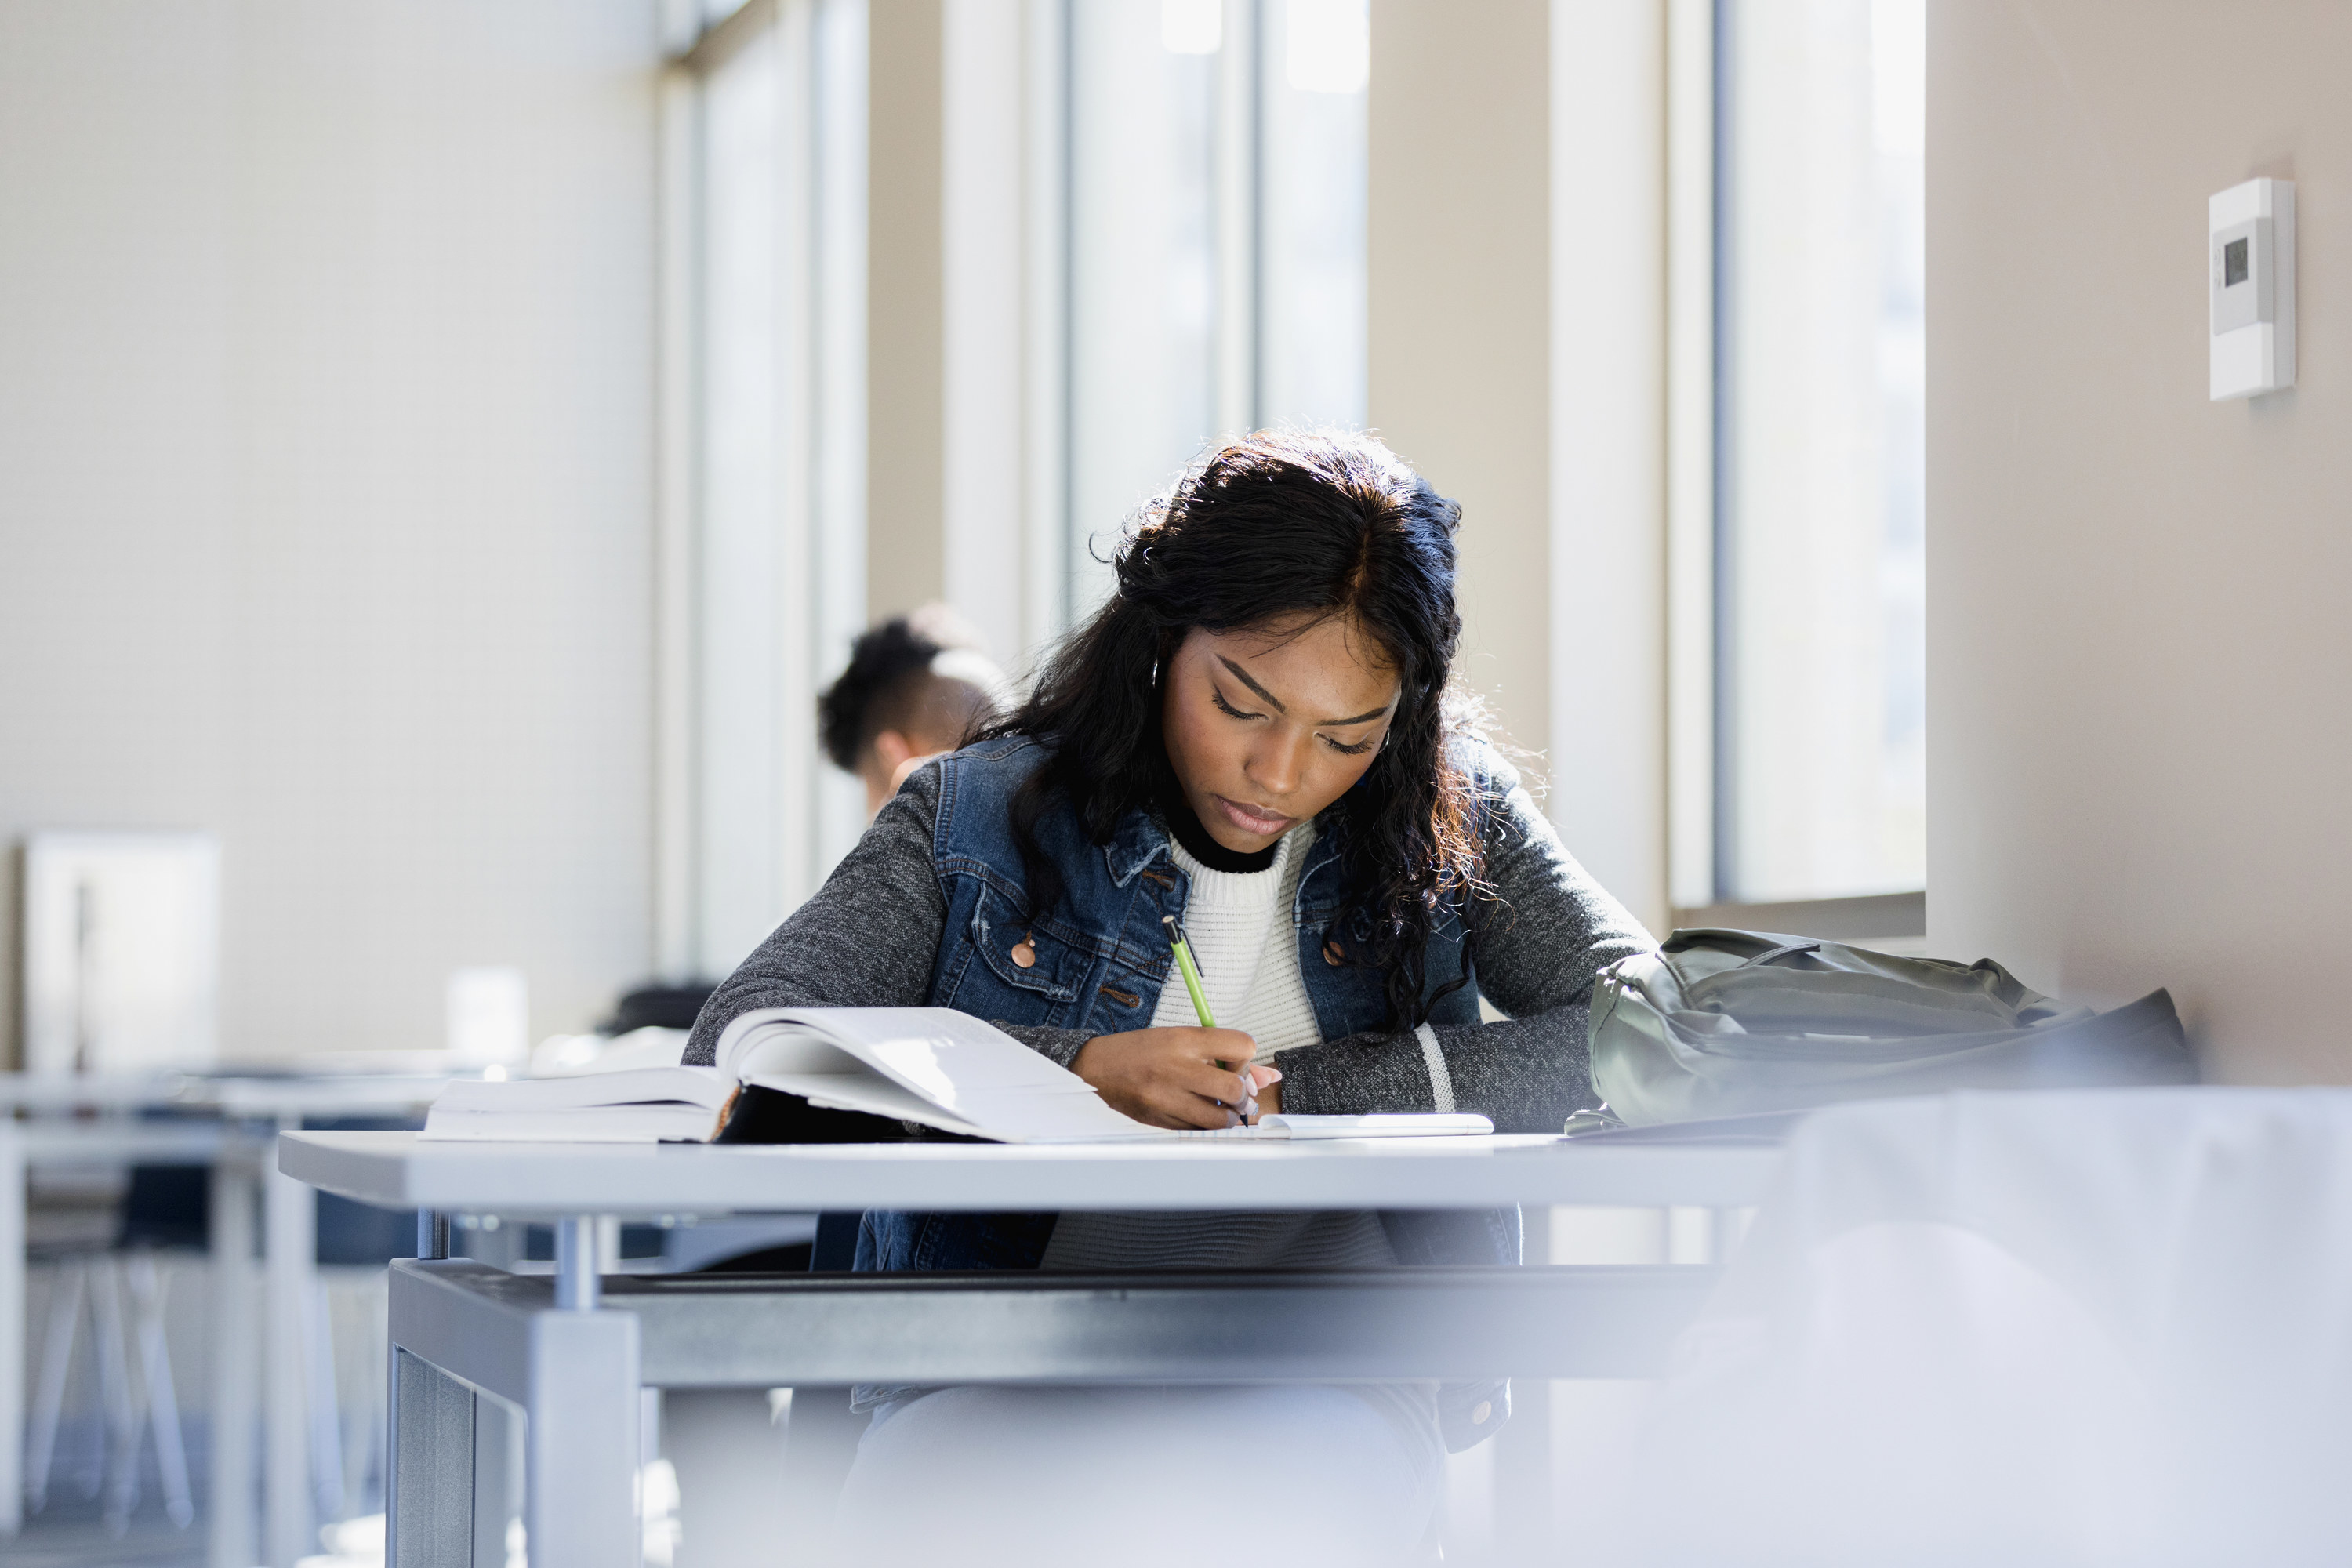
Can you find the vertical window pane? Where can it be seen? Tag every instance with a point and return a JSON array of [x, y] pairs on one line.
[[1821, 774], [740, 831], [833, 308], [781, 540], [1143, 390], [1315, 69]]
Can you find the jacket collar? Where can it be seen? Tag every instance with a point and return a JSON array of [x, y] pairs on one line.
[[1325, 851], [1136, 841], [1140, 838]]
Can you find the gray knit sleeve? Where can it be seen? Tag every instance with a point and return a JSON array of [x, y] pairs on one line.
[[1554, 930], [868, 938]]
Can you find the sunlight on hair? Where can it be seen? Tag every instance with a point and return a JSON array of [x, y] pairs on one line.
[[1329, 46]]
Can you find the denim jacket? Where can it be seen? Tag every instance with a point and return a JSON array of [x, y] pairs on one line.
[[1101, 958]]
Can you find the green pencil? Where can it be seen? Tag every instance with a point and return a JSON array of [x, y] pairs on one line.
[[1190, 970], [1191, 973]]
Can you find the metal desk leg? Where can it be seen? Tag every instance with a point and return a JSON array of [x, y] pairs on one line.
[[12, 1330], [236, 1351], [580, 1506], [290, 1222]]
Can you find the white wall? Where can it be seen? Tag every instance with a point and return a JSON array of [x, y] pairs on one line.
[[326, 374], [1607, 593], [2138, 638]]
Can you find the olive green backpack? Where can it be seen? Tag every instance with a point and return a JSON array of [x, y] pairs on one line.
[[1736, 1023]]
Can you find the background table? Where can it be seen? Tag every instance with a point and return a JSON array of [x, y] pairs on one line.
[[225, 1123]]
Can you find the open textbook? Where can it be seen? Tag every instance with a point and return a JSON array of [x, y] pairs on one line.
[[831, 1075]]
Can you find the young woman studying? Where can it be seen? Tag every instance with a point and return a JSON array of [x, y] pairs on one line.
[[1256, 734]]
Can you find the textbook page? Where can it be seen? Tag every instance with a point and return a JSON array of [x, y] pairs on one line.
[[918, 1062], [934, 1051], [949, 1061]]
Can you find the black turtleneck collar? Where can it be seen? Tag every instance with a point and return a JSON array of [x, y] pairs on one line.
[[1178, 813]]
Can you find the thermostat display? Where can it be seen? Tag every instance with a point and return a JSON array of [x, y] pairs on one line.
[[2250, 250]]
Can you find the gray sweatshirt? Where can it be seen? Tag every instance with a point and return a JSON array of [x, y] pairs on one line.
[[870, 937]]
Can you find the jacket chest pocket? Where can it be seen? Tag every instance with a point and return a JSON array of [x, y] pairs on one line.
[[1019, 973]]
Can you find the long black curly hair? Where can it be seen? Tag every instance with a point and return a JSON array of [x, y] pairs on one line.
[[1269, 528]]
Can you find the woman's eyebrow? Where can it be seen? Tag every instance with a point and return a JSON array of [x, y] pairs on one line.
[[1244, 677]]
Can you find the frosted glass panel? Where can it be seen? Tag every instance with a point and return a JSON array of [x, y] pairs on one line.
[[1143, 263], [781, 545], [1821, 468], [745, 590]]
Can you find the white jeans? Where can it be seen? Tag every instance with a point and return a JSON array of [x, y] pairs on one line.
[[1148, 1476]]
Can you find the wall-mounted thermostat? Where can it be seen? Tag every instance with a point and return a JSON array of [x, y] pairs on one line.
[[2251, 243]]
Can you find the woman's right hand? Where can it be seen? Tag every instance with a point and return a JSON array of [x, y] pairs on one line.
[[1169, 1078]]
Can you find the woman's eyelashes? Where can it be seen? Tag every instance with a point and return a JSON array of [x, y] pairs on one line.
[[1228, 709]]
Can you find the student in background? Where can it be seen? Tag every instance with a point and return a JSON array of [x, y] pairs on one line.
[[916, 686], [1257, 733]]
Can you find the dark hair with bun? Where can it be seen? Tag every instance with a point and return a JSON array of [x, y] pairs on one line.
[[1282, 525], [890, 685]]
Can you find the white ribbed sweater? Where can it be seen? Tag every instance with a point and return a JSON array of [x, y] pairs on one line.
[[1238, 926]]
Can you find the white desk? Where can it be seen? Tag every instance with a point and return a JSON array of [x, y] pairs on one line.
[[641, 1181], [575, 1358], [241, 1115]]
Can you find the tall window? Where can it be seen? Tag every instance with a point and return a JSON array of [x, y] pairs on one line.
[[1197, 172], [1216, 239], [772, 292], [1314, 185], [1820, 419]]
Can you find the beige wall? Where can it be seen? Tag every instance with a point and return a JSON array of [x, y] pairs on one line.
[[2137, 634], [1460, 346], [1518, 334], [326, 339], [904, 308]]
